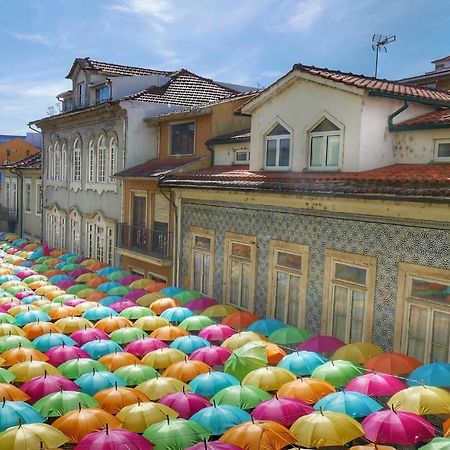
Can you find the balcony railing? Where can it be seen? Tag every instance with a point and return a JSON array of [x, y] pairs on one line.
[[156, 244]]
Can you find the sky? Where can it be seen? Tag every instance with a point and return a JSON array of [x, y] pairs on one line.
[[250, 42]]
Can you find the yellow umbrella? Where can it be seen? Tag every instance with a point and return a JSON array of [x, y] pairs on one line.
[[12, 283], [148, 299], [325, 428], [151, 323], [269, 378], [163, 358], [70, 324], [239, 339], [27, 370], [140, 416], [155, 388], [219, 310], [141, 283], [422, 400], [22, 308], [83, 307], [372, 447], [31, 437], [37, 284], [47, 288], [8, 329], [358, 352]]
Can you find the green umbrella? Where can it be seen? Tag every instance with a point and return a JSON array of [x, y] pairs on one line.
[[6, 318], [42, 259], [117, 275], [187, 296], [135, 374], [127, 335], [136, 312], [14, 341], [13, 290], [338, 372], [63, 298], [4, 294], [244, 397], [33, 278], [438, 443], [85, 293], [41, 268], [60, 403], [175, 434], [289, 336], [245, 359], [196, 323], [119, 290], [74, 368], [75, 288], [6, 376], [70, 267]]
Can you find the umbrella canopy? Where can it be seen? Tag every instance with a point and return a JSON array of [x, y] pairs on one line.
[[212, 355], [437, 444], [32, 436], [201, 303], [76, 367], [196, 323], [186, 370], [81, 337], [31, 316], [187, 295], [188, 344], [21, 354], [36, 329], [259, 435], [115, 398], [109, 300], [136, 312], [100, 347], [325, 428], [99, 312], [240, 339], [127, 335], [239, 320], [434, 374], [219, 311], [144, 345], [27, 370], [269, 378], [288, 335], [266, 326], [135, 374], [60, 403], [376, 385], [61, 354], [357, 352], [110, 324], [171, 290], [116, 360], [210, 383], [213, 445], [177, 314], [140, 283], [240, 363], [158, 305], [422, 400], [185, 404], [302, 363], [17, 412], [163, 358], [392, 363], [70, 324], [244, 397], [338, 372], [397, 427], [157, 387], [151, 323], [167, 333], [39, 387], [113, 439], [310, 390], [12, 393], [91, 383], [321, 344], [216, 332]]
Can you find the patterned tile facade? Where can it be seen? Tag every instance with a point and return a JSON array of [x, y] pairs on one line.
[[391, 242]]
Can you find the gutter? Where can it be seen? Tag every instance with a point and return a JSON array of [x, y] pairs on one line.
[[439, 103], [391, 125]]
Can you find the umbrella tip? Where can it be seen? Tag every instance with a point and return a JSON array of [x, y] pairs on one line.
[[321, 410], [107, 428], [168, 419]]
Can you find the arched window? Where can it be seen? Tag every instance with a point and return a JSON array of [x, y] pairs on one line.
[[112, 158], [63, 161], [91, 162], [76, 161], [56, 162], [101, 160], [278, 148], [50, 163], [324, 145]]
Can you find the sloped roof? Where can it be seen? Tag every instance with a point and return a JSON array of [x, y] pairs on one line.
[[440, 117], [229, 138], [31, 162]]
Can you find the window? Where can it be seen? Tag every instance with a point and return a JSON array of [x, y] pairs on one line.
[[101, 160], [288, 265], [202, 257], [423, 310], [100, 238], [182, 138], [74, 231], [324, 144], [39, 197], [349, 291], [56, 162], [63, 161], [81, 93], [442, 150], [91, 162], [11, 195], [112, 158], [102, 94], [240, 263], [278, 145], [76, 161], [49, 163], [56, 227], [27, 196], [241, 156]]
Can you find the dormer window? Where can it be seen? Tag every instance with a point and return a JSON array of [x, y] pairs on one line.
[[182, 138], [102, 94], [324, 146], [278, 148], [81, 94], [442, 150]]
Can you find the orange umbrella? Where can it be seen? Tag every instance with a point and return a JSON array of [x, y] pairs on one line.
[[151, 323], [47, 288], [168, 333], [97, 265], [186, 370], [116, 360], [274, 352], [83, 307], [53, 272], [22, 354], [393, 363], [114, 399], [12, 393], [240, 319], [155, 287], [37, 284], [21, 308], [96, 282], [95, 297], [113, 323], [77, 424], [310, 390], [88, 276], [63, 311], [148, 299], [57, 252], [446, 426], [259, 435], [41, 302], [53, 294], [35, 329], [70, 324], [160, 305]]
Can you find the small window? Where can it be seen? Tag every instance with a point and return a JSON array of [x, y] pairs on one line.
[[112, 158], [324, 146], [38, 197], [278, 147], [442, 151], [81, 91], [102, 94], [101, 160], [76, 161], [202, 259], [241, 156], [27, 196], [182, 138], [91, 162]]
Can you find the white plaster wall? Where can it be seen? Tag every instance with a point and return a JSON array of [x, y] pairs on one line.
[[123, 86], [224, 153]]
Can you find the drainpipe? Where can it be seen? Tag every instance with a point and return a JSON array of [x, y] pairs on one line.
[[391, 126], [211, 149], [19, 194]]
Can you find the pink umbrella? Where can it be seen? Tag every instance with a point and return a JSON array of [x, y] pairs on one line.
[[62, 353], [201, 303], [113, 440], [217, 332], [120, 306], [65, 284], [77, 272], [397, 427], [376, 384], [26, 273], [128, 279], [10, 305], [283, 410], [134, 294], [81, 337], [39, 387], [213, 445], [80, 259], [186, 404], [74, 301], [22, 295], [143, 346], [321, 344], [213, 355]]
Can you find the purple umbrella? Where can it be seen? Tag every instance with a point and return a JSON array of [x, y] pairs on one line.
[[213, 356], [74, 301], [62, 353], [376, 385], [24, 294], [143, 346], [186, 404], [213, 445], [120, 306], [77, 272], [80, 259], [201, 303], [81, 337], [65, 284], [134, 294], [321, 344], [128, 279], [26, 273], [39, 387], [217, 332], [113, 440]]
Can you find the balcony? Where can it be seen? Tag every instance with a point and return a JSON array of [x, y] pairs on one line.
[[152, 243]]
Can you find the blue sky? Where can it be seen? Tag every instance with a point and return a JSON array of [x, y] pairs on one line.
[[251, 42]]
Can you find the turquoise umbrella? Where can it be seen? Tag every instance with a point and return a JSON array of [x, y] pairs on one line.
[[171, 291], [107, 270], [188, 344], [177, 314], [302, 363], [33, 298], [210, 383], [106, 301], [5, 278], [49, 340], [351, 403], [107, 286], [266, 326], [58, 278], [16, 413], [101, 347], [434, 374], [99, 312], [31, 316], [6, 318], [91, 383]]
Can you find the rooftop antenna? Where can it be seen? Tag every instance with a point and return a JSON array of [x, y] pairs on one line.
[[379, 43]]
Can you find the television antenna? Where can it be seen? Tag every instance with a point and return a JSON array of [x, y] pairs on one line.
[[379, 43]]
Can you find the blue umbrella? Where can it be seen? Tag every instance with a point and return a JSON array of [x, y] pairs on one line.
[[31, 316], [101, 347], [188, 344], [106, 301], [49, 340], [107, 270], [352, 403], [107, 286], [3, 293], [177, 314], [266, 326], [58, 278], [32, 298], [66, 256], [15, 413], [171, 290], [5, 278], [219, 418], [434, 374], [91, 383], [99, 312], [210, 383], [302, 363]]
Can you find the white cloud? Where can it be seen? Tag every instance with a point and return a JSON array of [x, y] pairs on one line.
[[305, 14], [34, 38], [159, 11]]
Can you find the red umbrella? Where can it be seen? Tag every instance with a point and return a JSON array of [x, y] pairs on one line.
[[62, 353], [397, 427], [217, 332], [123, 304], [39, 387], [113, 440], [201, 303], [376, 385], [321, 344], [90, 334], [186, 404], [143, 346], [213, 355]]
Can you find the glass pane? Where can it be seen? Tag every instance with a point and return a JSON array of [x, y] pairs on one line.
[[182, 142], [289, 260], [350, 274], [284, 152], [235, 280], [417, 332], [294, 300], [357, 323], [271, 153], [202, 242], [241, 250], [316, 157], [339, 313], [441, 337], [245, 289], [278, 130], [332, 151], [280, 295], [325, 125], [431, 291], [197, 270], [205, 281], [444, 150]]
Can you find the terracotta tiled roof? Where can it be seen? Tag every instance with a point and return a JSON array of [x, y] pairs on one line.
[[156, 167], [375, 84], [440, 117], [429, 181], [16, 150], [31, 162], [236, 136], [113, 69]]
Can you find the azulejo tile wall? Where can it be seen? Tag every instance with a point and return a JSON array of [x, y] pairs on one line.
[[391, 242]]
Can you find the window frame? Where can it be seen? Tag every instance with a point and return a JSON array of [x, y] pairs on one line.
[[98, 97], [112, 159], [101, 175], [356, 260], [184, 122], [278, 139], [76, 161], [39, 198], [26, 185], [91, 165], [241, 161], [93, 237], [296, 249], [211, 235], [437, 158]]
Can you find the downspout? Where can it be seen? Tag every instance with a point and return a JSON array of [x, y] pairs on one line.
[[121, 185], [391, 117], [211, 149], [19, 194]]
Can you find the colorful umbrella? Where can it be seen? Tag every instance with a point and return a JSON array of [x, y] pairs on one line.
[[150, 323], [201, 303], [17, 412], [120, 306], [76, 367], [100, 347], [186, 370], [321, 344], [240, 339], [434, 374], [31, 316], [99, 312], [136, 312], [35, 329], [171, 290], [437, 444], [185, 404], [109, 300], [302, 363], [269, 378], [27, 370], [135, 374], [117, 397], [357, 352], [266, 326], [219, 311], [337, 372], [60, 403], [128, 335], [244, 397], [393, 363], [157, 387], [110, 324], [163, 358], [69, 325], [113, 439], [310, 390], [210, 383], [140, 283], [12, 393], [240, 319], [39, 387], [177, 314], [376, 385], [422, 400], [196, 323], [217, 333], [61, 354], [142, 347], [240, 363], [32, 436], [116, 360], [188, 344], [212, 355], [81, 337], [157, 305], [91, 383], [288, 335], [213, 445], [187, 295], [167, 333], [353, 404]]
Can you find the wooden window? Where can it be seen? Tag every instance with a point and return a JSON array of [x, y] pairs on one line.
[[63, 161], [39, 197], [349, 291], [423, 310], [202, 259], [101, 160], [76, 161], [27, 195], [288, 270], [240, 270], [75, 227], [112, 159], [182, 138]]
